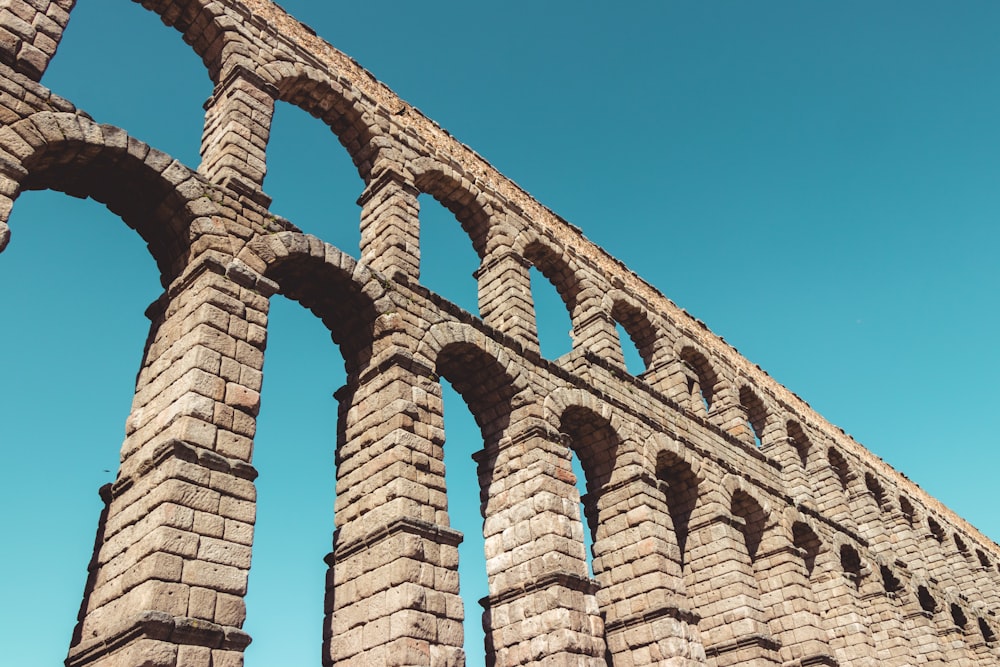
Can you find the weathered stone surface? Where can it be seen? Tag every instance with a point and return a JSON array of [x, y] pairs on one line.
[[708, 550]]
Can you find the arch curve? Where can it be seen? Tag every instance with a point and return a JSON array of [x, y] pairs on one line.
[[166, 203]]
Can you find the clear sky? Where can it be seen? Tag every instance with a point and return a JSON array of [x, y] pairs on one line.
[[815, 181]]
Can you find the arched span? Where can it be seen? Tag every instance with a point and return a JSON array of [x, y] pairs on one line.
[[557, 269], [733, 485], [487, 378], [165, 202], [333, 102], [704, 386], [596, 433], [459, 195], [637, 322], [203, 25], [339, 291]]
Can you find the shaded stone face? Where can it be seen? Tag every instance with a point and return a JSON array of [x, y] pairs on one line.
[[731, 524]]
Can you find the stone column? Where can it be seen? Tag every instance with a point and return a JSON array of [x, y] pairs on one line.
[[840, 593], [505, 299], [390, 227], [893, 645], [238, 119], [30, 32], [920, 623], [541, 609], [167, 581], [724, 591], [594, 331], [392, 584], [638, 566], [787, 593]]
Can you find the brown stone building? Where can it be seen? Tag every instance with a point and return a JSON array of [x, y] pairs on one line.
[[731, 524]]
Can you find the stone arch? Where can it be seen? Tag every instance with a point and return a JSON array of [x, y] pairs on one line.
[[757, 414], [481, 371], [557, 269], [596, 432], [679, 482], [304, 269], [204, 26], [745, 503], [639, 325], [799, 442], [702, 380], [841, 468], [166, 203], [877, 489], [458, 194], [805, 538], [334, 102]]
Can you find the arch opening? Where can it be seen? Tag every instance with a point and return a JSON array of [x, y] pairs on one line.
[[319, 194], [701, 381], [756, 414], [299, 431], [476, 392], [447, 264], [50, 351], [679, 486], [806, 540], [548, 311], [637, 336]]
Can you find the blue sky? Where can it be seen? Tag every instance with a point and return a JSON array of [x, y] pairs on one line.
[[815, 181]]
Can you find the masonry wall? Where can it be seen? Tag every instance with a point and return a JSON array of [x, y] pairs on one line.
[[731, 523]]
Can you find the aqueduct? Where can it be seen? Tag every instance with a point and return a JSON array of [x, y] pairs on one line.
[[731, 524]]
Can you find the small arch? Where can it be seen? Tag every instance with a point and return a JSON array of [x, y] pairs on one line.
[[890, 583], [754, 519], [989, 636], [702, 381], [799, 441], [937, 532], [459, 195], [907, 510], [332, 101], [962, 547], [756, 413], [551, 264], [877, 491], [926, 600], [850, 561], [984, 560], [958, 616], [679, 485], [840, 468], [636, 322], [805, 539]]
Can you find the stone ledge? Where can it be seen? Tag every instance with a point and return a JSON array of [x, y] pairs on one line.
[[425, 529], [564, 578], [764, 642], [159, 626], [666, 611]]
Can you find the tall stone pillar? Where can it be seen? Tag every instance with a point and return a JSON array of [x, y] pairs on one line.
[[724, 591], [167, 581], [505, 299], [392, 584], [541, 609], [638, 566], [594, 331], [840, 587], [237, 127], [787, 594], [390, 227]]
